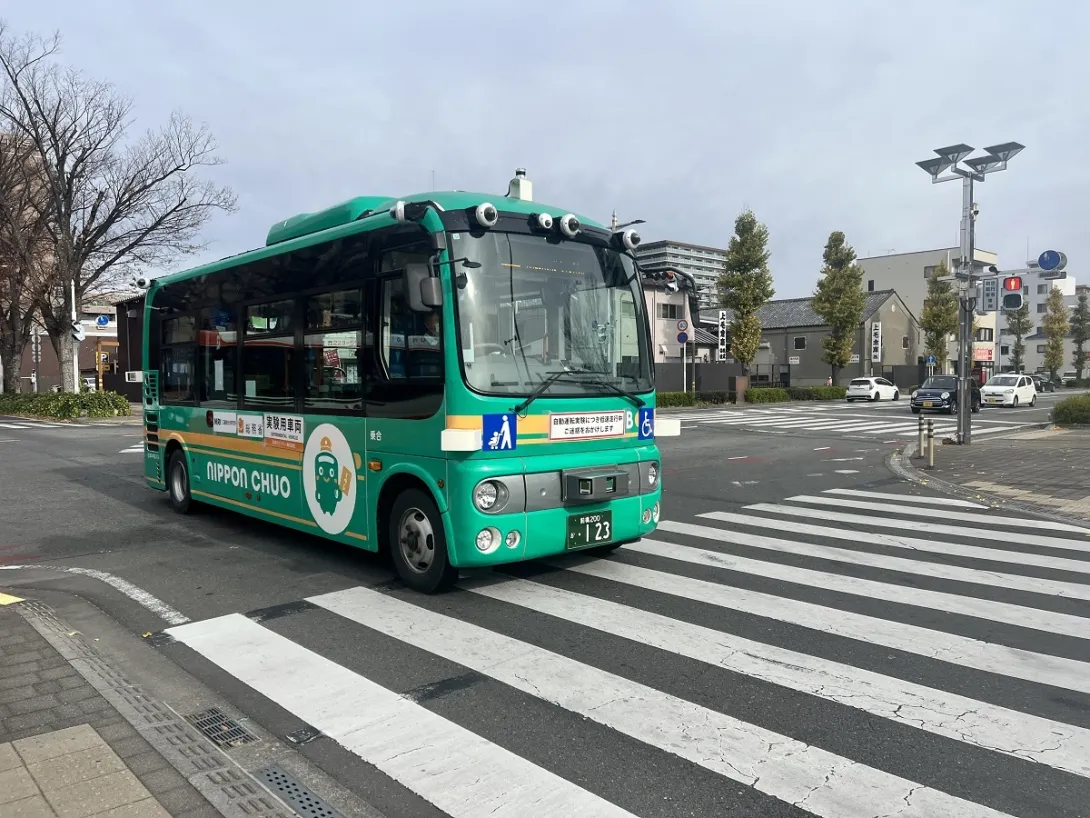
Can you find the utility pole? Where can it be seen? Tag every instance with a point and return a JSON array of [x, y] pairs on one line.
[[978, 168]]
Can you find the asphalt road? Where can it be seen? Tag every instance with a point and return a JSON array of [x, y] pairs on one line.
[[793, 641]]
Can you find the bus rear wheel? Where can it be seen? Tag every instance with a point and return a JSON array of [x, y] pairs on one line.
[[418, 544], [181, 500]]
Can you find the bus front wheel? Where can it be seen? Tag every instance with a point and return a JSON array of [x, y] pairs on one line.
[[178, 483], [418, 543]]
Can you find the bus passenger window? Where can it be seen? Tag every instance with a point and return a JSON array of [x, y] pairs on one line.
[[268, 354], [178, 360], [218, 342], [333, 344]]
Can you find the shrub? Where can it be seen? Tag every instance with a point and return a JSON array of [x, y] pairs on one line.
[[665, 399], [817, 392], [766, 394], [65, 405], [1072, 411]]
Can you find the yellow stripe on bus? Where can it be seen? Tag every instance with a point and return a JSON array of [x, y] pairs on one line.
[[249, 507], [233, 445]]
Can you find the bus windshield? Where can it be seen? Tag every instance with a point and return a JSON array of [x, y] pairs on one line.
[[537, 309]]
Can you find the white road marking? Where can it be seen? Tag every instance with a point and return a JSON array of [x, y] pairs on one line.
[[967, 516], [806, 776], [945, 714], [976, 552], [955, 573], [998, 539], [136, 594], [459, 772], [940, 645], [988, 609], [906, 498]]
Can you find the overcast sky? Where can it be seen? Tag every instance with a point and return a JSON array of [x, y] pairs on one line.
[[680, 113]]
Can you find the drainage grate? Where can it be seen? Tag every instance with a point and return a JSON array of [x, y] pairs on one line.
[[294, 793], [223, 731]]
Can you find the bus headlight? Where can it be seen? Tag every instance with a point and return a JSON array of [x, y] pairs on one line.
[[487, 494], [655, 511], [652, 474]]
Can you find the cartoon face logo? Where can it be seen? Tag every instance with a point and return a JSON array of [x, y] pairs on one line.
[[327, 490], [329, 478]]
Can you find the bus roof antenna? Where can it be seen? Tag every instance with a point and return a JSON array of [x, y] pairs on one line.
[[520, 187]]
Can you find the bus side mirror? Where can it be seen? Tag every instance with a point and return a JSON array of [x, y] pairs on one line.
[[425, 292]]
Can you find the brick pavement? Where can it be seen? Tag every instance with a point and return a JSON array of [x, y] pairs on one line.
[[1046, 470], [66, 752]]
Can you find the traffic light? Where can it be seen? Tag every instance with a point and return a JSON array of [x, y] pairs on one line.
[[1012, 293]]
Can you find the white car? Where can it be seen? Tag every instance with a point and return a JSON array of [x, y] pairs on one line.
[[871, 389], [1009, 390]]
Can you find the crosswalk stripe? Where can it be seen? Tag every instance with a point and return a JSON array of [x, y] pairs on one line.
[[459, 772], [915, 544], [940, 645], [1005, 612], [918, 499], [983, 724], [13, 426], [955, 573], [996, 538], [806, 776], [966, 516]]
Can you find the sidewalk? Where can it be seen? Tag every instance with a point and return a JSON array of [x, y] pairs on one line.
[[65, 751], [1046, 471], [80, 739]]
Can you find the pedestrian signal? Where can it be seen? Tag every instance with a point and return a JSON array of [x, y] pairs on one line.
[[1012, 293]]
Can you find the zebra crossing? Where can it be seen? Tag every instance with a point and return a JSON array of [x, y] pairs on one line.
[[26, 424], [847, 654], [889, 421]]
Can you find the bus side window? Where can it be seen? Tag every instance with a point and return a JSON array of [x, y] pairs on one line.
[[178, 359], [333, 344], [218, 343], [268, 355]]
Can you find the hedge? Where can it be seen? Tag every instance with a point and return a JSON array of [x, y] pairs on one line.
[[1072, 411], [779, 394], [65, 405], [665, 399]]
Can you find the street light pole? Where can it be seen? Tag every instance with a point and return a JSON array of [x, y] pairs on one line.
[[948, 159]]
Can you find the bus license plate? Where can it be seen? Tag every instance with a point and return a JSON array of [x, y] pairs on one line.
[[593, 528]]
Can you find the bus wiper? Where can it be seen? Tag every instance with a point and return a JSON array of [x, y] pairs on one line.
[[571, 376], [612, 387], [541, 387]]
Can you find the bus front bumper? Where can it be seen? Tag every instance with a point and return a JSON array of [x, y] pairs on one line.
[[481, 539]]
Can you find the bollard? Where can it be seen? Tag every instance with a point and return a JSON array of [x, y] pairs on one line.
[[930, 443], [919, 443]]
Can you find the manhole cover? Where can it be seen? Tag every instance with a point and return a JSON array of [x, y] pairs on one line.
[[219, 728]]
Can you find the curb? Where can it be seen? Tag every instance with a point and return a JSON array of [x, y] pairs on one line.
[[900, 463]]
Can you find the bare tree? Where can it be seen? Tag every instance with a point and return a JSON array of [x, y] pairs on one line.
[[25, 259], [114, 204]]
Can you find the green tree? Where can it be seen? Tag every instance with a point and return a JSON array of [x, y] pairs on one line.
[[745, 286], [1080, 333], [1019, 325], [839, 300], [940, 315], [1055, 325]]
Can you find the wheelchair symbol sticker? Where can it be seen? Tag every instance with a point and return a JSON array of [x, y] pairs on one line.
[[646, 429]]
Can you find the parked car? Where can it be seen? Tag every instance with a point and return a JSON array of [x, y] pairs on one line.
[[1009, 390], [1069, 378], [871, 389], [1043, 384], [939, 393]]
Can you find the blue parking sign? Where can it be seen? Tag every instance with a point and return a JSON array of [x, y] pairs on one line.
[[646, 424], [499, 432]]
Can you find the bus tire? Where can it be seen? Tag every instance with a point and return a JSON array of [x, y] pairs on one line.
[[418, 543], [181, 500]]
